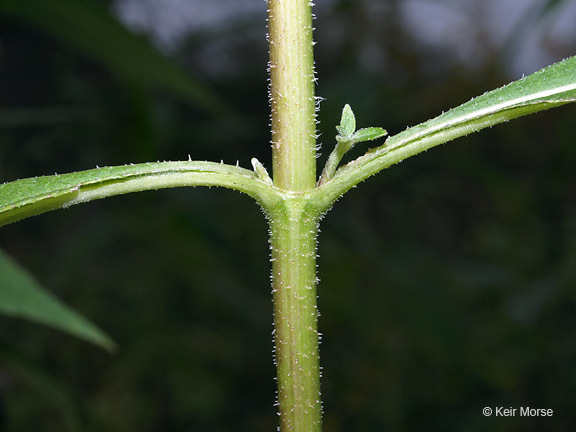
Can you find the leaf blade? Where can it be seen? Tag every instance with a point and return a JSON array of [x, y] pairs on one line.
[[368, 134], [347, 122], [547, 88], [22, 296], [550, 87], [32, 196]]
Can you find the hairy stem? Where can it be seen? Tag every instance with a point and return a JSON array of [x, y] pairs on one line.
[[294, 224], [293, 238], [292, 94]]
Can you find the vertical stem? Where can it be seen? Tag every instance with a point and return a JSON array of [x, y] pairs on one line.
[[293, 230], [294, 226], [292, 94]]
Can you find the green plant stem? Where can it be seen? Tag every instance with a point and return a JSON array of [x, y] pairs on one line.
[[294, 227], [342, 147], [292, 94], [294, 224]]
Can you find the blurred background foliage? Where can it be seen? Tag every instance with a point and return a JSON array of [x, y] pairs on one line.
[[447, 282]]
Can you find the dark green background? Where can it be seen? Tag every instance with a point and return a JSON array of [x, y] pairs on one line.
[[448, 282]]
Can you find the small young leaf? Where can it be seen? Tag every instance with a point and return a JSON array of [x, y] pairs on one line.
[[347, 122], [261, 171], [368, 134], [21, 296], [346, 139]]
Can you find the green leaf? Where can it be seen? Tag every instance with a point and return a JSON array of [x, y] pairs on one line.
[[89, 28], [21, 296], [368, 134], [261, 171], [548, 88], [345, 140], [347, 122], [32, 196]]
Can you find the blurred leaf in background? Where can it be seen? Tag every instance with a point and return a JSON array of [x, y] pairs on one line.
[[88, 27], [22, 297]]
